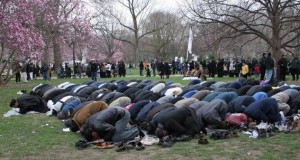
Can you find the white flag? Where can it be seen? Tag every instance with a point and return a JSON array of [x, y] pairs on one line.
[[189, 49]]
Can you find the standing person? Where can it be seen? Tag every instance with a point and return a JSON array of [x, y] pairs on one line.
[[79, 69], [294, 68], [231, 69], [31, 71], [102, 70], [44, 71], [37, 70], [130, 68], [167, 70], [23, 71], [161, 70], [245, 69], [94, 70], [269, 67], [114, 70], [282, 62], [262, 66], [141, 68], [108, 70], [237, 67], [28, 70], [50, 68], [179, 68], [153, 66], [220, 67], [148, 71], [17, 68], [173, 67], [122, 69], [256, 70]]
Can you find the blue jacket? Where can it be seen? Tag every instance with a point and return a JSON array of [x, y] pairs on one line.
[[75, 101], [264, 110], [144, 111], [227, 96], [190, 94], [239, 104], [235, 85], [259, 95]]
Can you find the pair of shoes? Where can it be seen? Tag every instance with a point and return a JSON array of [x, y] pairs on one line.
[[219, 135], [82, 144], [183, 138], [230, 135], [164, 144], [215, 136], [137, 145], [121, 146], [202, 141]]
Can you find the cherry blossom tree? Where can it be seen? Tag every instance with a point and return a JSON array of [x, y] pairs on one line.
[[18, 37], [64, 23], [100, 49]]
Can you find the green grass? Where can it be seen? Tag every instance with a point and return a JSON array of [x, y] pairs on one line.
[[41, 137]]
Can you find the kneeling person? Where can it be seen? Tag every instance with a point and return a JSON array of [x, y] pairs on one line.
[[179, 122], [29, 103], [84, 113], [109, 125]]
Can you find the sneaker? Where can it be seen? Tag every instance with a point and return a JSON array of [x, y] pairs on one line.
[[263, 125]]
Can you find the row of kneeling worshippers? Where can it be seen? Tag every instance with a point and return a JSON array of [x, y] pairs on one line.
[[122, 110]]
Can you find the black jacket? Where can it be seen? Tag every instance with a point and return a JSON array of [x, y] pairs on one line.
[[32, 103], [182, 121], [104, 122]]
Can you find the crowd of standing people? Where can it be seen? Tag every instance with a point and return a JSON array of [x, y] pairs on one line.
[[263, 68]]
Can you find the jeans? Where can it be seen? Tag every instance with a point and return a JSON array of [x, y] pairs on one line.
[[154, 72], [94, 76], [45, 76], [269, 73], [141, 72], [122, 131]]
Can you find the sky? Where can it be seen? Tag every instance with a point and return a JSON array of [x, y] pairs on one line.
[[168, 5]]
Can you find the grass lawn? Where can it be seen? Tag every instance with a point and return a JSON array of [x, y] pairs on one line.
[[41, 137]]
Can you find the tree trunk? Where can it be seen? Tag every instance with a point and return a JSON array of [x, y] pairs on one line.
[[57, 51], [45, 59], [276, 43], [136, 49]]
